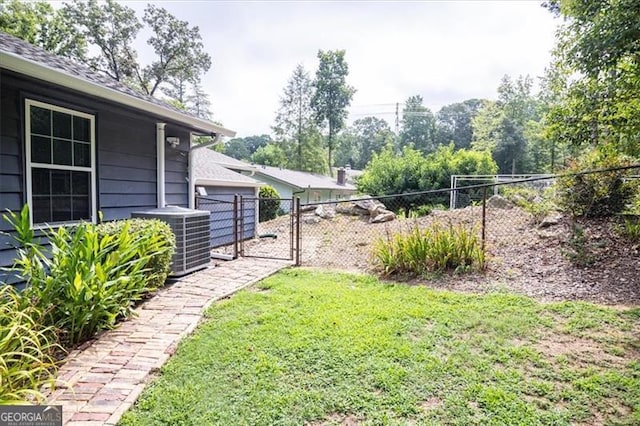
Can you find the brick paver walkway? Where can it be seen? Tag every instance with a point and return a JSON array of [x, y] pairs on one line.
[[104, 379]]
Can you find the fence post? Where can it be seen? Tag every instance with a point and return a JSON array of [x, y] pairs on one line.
[[235, 226], [292, 236], [484, 216], [298, 237]]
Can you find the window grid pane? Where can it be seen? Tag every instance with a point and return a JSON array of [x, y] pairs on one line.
[[60, 139]]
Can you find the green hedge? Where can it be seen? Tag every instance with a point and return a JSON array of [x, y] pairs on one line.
[[269, 203], [600, 194], [159, 264]]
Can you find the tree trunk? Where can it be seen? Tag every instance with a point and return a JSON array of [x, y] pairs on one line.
[[330, 146]]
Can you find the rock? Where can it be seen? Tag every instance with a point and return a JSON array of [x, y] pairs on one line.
[[370, 205], [367, 204], [306, 208], [310, 219], [325, 212], [384, 217], [551, 219], [350, 209], [499, 202], [377, 210]]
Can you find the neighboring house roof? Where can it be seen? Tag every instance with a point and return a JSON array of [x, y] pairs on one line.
[[302, 180], [208, 172], [294, 178], [21, 57], [230, 162]]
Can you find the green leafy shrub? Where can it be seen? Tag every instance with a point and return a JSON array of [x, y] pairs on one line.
[[426, 209], [598, 194], [26, 350], [434, 249], [389, 173], [269, 203], [153, 237], [535, 202], [85, 279]]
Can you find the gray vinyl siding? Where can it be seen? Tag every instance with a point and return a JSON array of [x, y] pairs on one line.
[[177, 169], [126, 164], [11, 181], [222, 213]]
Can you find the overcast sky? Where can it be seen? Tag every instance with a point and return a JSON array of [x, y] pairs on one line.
[[446, 51]]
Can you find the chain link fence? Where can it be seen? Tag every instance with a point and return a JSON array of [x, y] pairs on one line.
[[513, 219]]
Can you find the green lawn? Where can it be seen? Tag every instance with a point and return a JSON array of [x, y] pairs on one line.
[[307, 347]]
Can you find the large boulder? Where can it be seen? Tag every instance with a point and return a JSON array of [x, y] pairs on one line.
[[387, 216], [325, 212], [369, 205], [350, 208], [376, 211]]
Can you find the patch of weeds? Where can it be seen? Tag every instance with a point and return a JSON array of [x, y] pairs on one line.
[[630, 228], [579, 251]]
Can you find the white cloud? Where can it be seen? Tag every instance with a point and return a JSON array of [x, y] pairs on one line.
[[444, 51]]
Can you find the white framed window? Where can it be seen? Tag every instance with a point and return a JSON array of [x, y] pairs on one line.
[[60, 164]]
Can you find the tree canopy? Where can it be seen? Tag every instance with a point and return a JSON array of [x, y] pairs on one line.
[[40, 24], [295, 122], [418, 126], [332, 94], [102, 34], [595, 77]]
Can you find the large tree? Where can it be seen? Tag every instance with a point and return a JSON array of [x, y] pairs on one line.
[[596, 74], [40, 24], [198, 103], [453, 123], [243, 148], [506, 128], [361, 141], [112, 28], [332, 94], [418, 126], [178, 47], [295, 119]]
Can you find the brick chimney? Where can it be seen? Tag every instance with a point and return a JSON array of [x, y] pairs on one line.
[[342, 176]]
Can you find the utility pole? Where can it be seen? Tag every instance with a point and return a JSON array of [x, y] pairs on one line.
[[397, 118]]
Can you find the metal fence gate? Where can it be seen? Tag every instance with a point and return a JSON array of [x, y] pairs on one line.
[[276, 231], [252, 227]]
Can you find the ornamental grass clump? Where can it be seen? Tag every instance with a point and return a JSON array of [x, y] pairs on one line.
[[436, 248], [26, 350]]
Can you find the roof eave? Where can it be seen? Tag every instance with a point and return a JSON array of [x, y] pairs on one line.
[[224, 182], [21, 65]]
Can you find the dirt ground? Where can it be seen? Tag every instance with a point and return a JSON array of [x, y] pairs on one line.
[[522, 257]]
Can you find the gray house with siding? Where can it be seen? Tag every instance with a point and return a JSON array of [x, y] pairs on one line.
[[217, 188], [74, 142], [309, 187]]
